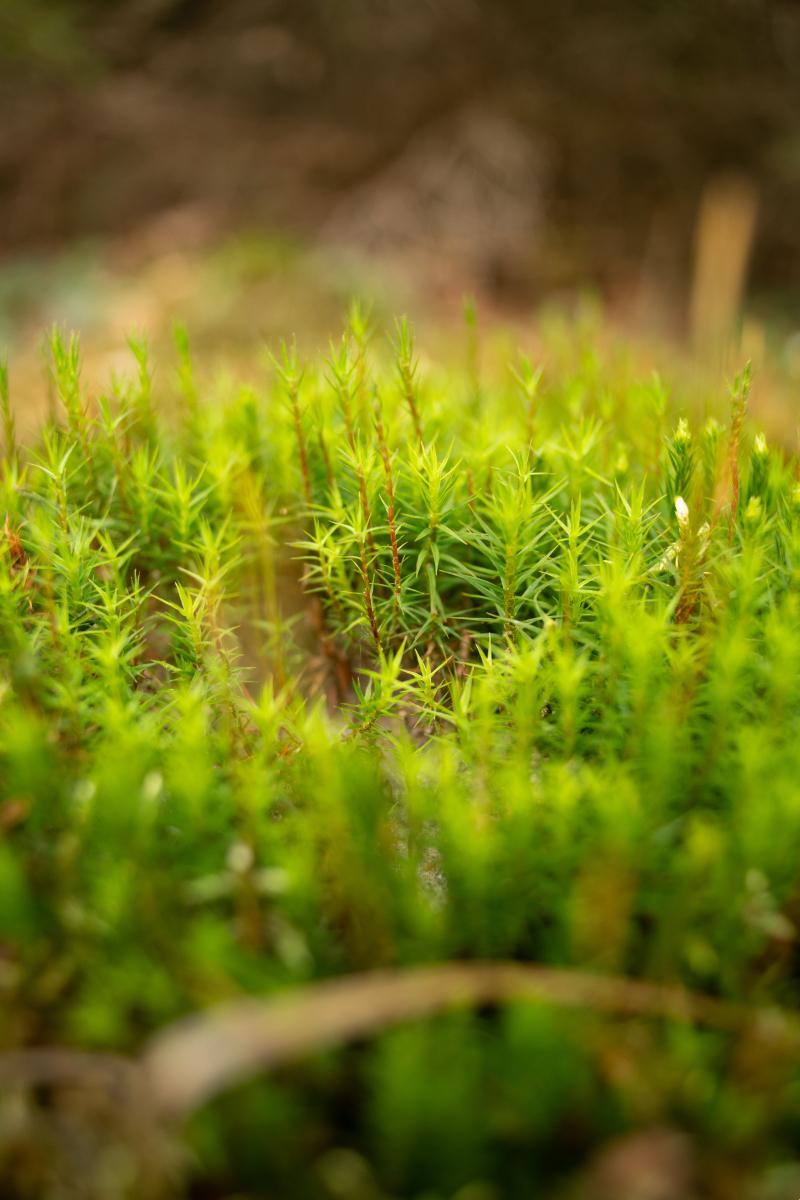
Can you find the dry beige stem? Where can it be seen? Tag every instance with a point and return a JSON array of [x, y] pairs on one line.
[[196, 1058], [723, 242], [200, 1056]]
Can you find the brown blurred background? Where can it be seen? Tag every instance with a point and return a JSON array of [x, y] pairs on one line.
[[650, 150]]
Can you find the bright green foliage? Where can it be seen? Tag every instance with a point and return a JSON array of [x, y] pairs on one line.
[[372, 669]]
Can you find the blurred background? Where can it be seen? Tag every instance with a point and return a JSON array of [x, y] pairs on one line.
[[249, 164]]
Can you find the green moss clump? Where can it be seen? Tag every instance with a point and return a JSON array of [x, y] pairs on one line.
[[374, 669]]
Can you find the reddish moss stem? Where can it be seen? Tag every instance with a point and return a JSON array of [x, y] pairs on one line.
[[367, 592], [387, 470], [301, 445]]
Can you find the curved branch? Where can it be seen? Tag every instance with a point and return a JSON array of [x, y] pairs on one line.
[[194, 1059]]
